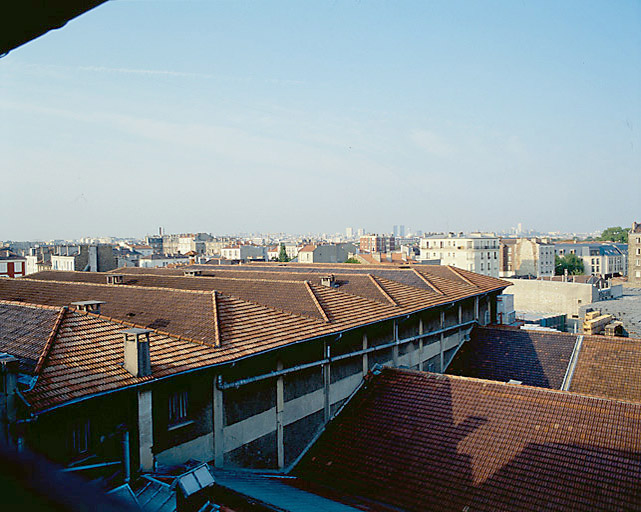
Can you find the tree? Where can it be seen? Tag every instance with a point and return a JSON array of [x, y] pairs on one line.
[[282, 255], [351, 260], [615, 234], [571, 262]]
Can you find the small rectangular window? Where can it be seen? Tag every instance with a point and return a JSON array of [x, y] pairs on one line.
[[178, 407], [80, 438]]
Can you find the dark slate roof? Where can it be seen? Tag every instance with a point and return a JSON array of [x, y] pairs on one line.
[[535, 358], [419, 441]]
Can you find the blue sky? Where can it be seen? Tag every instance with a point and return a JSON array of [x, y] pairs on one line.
[[301, 116]]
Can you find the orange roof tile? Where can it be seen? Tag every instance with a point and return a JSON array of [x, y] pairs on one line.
[[419, 441]]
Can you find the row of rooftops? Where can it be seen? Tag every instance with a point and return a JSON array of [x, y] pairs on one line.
[[216, 316]]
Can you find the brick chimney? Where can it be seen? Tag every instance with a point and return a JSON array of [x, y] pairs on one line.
[[137, 360]]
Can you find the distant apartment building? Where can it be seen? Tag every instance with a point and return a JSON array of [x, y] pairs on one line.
[[185, 243], [143, 249], [377, 243], [603, 259], [162, 260], [39, 258], [127, 257], [273, 252], [11, 264], [477, 252], [326, 253], [155, 242], [85, 258], [520, 257], [244, 252], [292, 250], [634, 255]]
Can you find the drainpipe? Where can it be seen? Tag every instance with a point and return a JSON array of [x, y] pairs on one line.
[[125, 456]]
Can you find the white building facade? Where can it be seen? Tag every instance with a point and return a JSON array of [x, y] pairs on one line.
[[477, 252]]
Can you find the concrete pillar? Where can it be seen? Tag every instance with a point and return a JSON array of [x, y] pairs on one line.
[[489, 308], [476, 308], [326, 384], [280, 406], [460, 321], [442, 338], [219, 415], [395, 347], [420, 345], [145, 430], [365, 356]]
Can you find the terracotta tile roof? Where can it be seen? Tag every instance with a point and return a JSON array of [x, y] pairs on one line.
[[86, 358], [201, 321], [283, 289], [609, 367], [24, 331], [182, 312], [419, 441], [534, 358]]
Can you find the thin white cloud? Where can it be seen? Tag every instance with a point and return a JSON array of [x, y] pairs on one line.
[[133, 71], [432, 143]]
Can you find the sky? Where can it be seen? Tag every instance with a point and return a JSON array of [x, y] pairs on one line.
[[310, 116]]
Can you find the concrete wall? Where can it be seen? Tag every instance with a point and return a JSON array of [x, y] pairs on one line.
[[551, 296]]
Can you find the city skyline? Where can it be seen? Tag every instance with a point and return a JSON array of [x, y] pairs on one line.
[[235, 117]]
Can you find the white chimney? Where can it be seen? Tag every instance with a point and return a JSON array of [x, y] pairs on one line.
[[137, 360], [90, 306], [115, 279]]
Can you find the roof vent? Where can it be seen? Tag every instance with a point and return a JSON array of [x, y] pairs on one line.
[[115, 279], [137, 360], [193, 273], [329, 281], [89, 306]]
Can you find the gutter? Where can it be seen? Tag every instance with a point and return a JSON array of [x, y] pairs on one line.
[[242, 382], [569, 373]]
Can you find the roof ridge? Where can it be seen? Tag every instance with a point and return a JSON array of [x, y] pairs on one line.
[[28, 304], [216, 326], [316, 301], [129, 286], [292, 281], [428, 282], [49, 343], [382, 290], [456, 271]]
